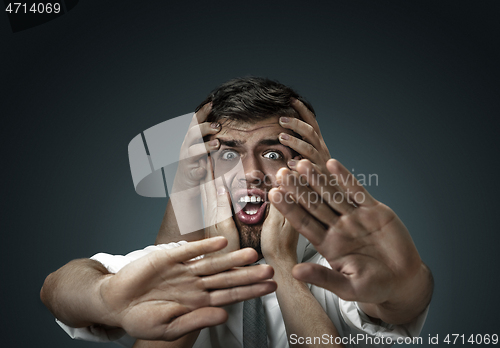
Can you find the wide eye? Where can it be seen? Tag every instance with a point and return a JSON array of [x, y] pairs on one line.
[[229, 155], [273, 155]]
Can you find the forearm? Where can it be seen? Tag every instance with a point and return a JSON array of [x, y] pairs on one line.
[[72, 293], [302, 313], [169, 229], [410, 301]]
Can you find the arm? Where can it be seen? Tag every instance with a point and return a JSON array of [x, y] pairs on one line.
[[72, 292], [370, 251], [162, 295], [302, 313], [394, 284], [218, 219]]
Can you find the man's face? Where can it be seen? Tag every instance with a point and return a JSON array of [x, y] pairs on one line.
[[262, 155]]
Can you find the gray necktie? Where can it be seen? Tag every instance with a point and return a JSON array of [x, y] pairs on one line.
[[254, 324]]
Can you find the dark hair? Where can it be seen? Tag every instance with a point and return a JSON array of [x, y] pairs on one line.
[[251, 99]]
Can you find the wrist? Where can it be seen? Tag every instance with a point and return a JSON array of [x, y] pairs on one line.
[[101, 303], [408, 300], [282, 265]]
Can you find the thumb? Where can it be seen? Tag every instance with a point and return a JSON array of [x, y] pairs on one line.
[[196, 320], [274, 216], [224, 211], [326, 278]]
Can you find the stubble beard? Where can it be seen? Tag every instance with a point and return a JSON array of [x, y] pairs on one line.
[[249, 236]]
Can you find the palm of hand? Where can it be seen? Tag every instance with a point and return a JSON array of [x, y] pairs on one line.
[[369, 249], [164, 295], [147, 295]]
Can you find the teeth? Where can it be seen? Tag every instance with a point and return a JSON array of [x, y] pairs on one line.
[[251, 212], [250, 199]]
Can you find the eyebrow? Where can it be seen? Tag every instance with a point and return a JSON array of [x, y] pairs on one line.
[[237, 143], [231, 143], [270, 142]]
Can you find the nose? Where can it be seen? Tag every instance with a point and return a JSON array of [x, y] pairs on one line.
[[254, 175]]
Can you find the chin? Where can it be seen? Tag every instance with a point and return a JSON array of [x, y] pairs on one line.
[[250, 236]]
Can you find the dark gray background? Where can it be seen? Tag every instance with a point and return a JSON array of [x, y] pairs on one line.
[[404, 89]]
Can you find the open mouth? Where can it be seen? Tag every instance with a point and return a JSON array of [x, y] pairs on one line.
[[250, 206]]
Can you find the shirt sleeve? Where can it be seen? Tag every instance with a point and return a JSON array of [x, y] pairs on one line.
[[356, 318], [113, 263]]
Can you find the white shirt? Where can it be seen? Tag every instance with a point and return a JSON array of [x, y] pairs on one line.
[[351, 323]]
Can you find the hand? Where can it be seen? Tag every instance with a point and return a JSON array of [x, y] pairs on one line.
[[163, 296], [370, 251], [311, 146], [218, 214], [191, 171], [278, 240], [193, 154]]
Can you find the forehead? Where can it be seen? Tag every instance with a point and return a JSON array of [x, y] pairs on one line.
[[251, 132]]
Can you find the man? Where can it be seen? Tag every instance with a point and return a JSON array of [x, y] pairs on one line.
[[366, 253]]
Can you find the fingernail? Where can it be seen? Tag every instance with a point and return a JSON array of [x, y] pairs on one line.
[[284, 136], [284, 119], [215, 125], [292, 163], [221, 190], [214, 142]]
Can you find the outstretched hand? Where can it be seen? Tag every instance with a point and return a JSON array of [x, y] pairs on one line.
[[163, 295], [372, 256]]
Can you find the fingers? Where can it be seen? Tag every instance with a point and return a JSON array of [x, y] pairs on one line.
[[238, 277], [301, 220], [223, 262], [351, 185], [195, 320], [194, 137], [312, 201], [198, 129], [325, 278], [224, 211], [229, 296], [327, 186], [194, 249], [305, 149], [202, 114], [305, 114], [209, 193], [194, 152], [311, 146], [274, 217]]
